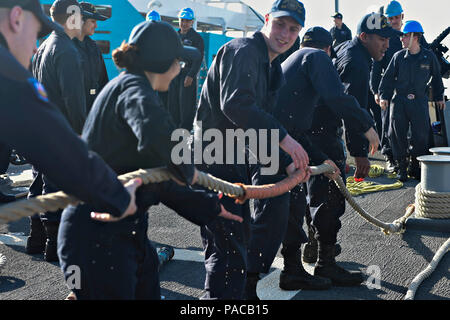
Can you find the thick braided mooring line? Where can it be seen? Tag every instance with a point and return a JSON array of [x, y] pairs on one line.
[[398, 226], [59, 200], [412, 289], [430, 204], [2, 261]]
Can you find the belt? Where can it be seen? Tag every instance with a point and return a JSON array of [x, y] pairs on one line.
[[411, 96]]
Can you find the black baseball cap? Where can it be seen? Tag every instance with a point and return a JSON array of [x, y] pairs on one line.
[[158, 45], [291, 8], [318, 35], [337, 15], [376, 23], [62, 6], [90, 12], [34, 6]]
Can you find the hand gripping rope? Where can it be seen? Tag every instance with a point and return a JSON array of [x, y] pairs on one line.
[[59, 200]]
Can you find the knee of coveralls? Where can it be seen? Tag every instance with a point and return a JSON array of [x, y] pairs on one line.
[[399, 125], [420, 127], [326, 202], [295, 235], [49, 187], [113, 260], [225, 242], [269, 223]]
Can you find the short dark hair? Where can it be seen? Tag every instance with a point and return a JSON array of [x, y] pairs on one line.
[[60, 18], [313, 44]]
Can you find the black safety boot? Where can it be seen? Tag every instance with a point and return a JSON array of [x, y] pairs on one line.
[[402, 170], [414, 168], [326, 267], [51, 230], [36, 239], [295, 277], [310, 250], [250, 287], [6, 198], [390, 164]]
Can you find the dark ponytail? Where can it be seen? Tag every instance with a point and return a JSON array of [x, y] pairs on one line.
[[125, 56]]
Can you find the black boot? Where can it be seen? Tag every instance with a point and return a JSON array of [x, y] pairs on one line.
[[414, 168], [295, 277], [390, 164], [326, 267], [51, 229], [402, 172], [311, 248], [36, 239], [250, 286]]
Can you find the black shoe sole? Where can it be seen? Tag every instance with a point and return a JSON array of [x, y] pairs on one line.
[[294, 287]]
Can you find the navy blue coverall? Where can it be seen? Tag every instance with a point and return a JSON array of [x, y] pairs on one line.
[[182, 102], [405, 82], [95, 74], [129, 127], [57, 66], [310, 75], [378, 69], [48, 142], [240, 92]]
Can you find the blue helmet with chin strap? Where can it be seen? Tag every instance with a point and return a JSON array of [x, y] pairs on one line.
[[153, 16], [412, 26], [394, 8], [186, 13]]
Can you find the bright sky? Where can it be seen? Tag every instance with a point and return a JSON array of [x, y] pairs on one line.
[[434, 15]]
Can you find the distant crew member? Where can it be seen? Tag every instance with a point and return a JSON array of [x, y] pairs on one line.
[[405, 85], [153, 16], [395, 15], [95, 74], [182, 101], [58, 66], [45, 135], [340, 32]]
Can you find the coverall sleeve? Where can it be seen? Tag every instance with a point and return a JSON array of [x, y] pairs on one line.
[[196, 206], [387, 83], [326, 82], [71, 82], [153, 126], [375, 76], [48, 142], [354, 80], [436, 82], [194, 58]]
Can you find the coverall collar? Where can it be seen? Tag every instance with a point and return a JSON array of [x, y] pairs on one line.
[[359, 44], [3, 42]]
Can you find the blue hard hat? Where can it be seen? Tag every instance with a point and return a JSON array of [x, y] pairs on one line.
[[394, 8], [186, 13], [291, 8], [412, 26], [153, 16]]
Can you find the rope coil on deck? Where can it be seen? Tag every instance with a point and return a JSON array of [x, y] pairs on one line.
[[430, 204], [412, 289]]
